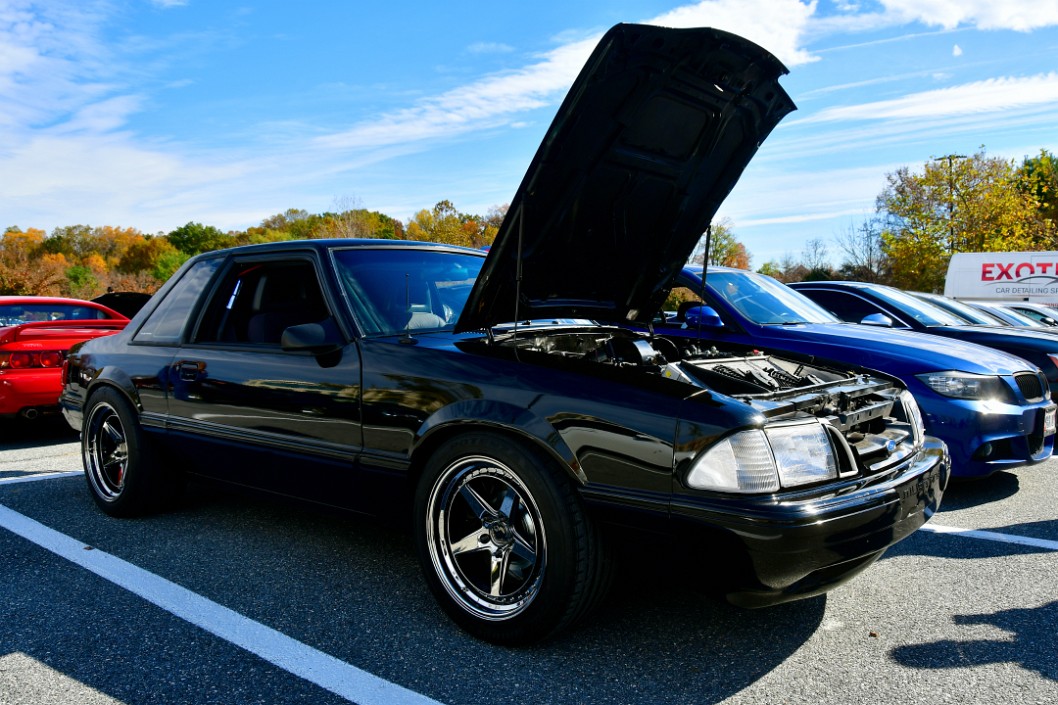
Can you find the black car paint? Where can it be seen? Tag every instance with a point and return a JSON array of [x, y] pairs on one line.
[[346, 417], [676, 115], [357, 426]]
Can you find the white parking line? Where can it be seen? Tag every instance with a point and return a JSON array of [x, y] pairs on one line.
[[273, 646], [38, 476], [991, 536]]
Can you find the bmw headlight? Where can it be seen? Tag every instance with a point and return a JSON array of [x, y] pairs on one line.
[[963, 385], [759, 461]]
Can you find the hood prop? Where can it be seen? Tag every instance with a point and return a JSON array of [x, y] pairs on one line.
[[705, 271]]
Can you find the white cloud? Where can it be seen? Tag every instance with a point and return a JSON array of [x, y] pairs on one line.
[[992, 95], [956, 50], [50, 62], [777, 25], [478, 105], [493, 100], [489, 48], [1019, 15]]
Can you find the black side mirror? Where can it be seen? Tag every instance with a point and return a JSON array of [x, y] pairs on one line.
[[316, 338]]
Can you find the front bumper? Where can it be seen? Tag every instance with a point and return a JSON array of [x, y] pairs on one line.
[[984, 437], [778, 548]]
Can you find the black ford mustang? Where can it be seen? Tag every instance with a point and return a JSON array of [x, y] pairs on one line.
[[491, 398]]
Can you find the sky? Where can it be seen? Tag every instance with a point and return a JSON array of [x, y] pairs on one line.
[[154, 113]]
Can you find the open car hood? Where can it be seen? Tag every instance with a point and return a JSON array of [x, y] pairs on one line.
[[653, 135]]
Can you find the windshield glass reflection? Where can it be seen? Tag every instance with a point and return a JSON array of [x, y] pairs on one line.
[[764, 300]]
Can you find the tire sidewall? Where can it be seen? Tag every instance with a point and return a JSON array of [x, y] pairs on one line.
[[134, 495]]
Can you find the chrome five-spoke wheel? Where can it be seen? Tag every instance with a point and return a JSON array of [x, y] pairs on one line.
[[106, 452], [486, 538], [124, 476], [504, 540]]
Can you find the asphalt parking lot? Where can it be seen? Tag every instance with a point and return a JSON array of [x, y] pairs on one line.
[[234, 599]]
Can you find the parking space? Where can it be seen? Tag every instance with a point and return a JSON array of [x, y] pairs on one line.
[[230, 598]]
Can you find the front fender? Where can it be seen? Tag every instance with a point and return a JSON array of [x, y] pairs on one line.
[[502, 416]]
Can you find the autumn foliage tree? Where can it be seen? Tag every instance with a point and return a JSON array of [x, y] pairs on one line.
[[23, 272], [1039, 180], [955, 204], [724, 248], [443, 223]]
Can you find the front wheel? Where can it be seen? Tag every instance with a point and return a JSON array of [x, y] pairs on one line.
[[124, 477], [504, 541]]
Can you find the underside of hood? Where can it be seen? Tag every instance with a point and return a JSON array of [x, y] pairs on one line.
[[653, 135]]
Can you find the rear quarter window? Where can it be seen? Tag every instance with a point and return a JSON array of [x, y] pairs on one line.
[[166, 323]]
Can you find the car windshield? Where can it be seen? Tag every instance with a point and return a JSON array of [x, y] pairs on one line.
[[1011, 317], [971, 314], [393, 290], [14, 314], [925, 313], [764, 300]]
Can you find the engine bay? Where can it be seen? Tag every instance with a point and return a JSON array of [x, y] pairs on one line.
[[867, 410]]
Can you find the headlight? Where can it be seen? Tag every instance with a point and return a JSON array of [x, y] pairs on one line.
[[759, 461], [963, 385]]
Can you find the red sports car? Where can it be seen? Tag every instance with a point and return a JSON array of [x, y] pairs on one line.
[[36, 332]]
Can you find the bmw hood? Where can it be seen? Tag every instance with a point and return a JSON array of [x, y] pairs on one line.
[[650, 139], [879, 348]]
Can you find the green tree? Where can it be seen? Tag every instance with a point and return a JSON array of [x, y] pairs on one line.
[[71, 241], [82, 282], [956, 204], [770, 269], [724, 248], [1039, 179], [195, 238], [168, 263]]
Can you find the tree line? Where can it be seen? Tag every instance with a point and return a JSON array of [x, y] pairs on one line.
[[953, 203], [82, 261]]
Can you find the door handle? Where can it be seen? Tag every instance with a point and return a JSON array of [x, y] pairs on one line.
[[190, 371]]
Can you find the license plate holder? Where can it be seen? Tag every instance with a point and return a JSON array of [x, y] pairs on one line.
[[1049, 421]]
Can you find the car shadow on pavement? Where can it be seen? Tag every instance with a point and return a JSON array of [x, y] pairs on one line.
[[17, 433], [1030, 646], [352, 588], [962, 494], [954, 545]]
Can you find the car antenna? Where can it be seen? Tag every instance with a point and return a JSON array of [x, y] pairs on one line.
[[406, 338]]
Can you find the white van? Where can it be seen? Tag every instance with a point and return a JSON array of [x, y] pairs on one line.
[[1004, 276]]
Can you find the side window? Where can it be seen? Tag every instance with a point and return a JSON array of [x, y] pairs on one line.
[[679, 301], [847, 307], [257, 300], [165, 325]]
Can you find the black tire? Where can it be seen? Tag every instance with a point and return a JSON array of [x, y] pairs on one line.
[[124, 477], [504, 542]]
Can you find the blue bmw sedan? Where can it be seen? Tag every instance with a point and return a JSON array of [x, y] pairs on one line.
[[992, 409]]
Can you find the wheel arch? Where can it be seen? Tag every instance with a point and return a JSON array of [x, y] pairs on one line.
[[116, 379], [517, 424]]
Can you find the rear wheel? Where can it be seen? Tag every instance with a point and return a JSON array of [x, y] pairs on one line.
[[504, 541], [124, 478]]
